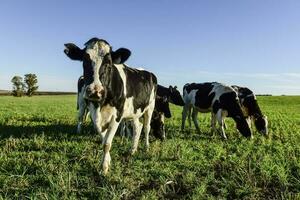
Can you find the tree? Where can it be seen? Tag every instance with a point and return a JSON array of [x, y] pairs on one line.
[[31, 84], [18, 86]]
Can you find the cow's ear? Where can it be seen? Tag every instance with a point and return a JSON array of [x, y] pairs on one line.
[[73, 52], [120, 56]]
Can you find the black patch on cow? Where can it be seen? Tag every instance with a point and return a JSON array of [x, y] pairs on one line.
[[88, 72], [204, 96], [80, 84], [162, 106], [113, 89], [139, 86], [230, 102]]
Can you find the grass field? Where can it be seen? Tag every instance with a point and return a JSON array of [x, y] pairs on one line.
[[42, 157]]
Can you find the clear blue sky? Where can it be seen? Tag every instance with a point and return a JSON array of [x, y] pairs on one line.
[[254, 43]]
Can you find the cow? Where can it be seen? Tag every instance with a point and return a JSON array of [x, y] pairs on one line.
[[251, 109], [113, 92], [219, 99], [162, 110]]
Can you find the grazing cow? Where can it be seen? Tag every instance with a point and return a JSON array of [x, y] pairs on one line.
[[161, 111], [114, 91], [217, 98], [251, 109], [163, 97]]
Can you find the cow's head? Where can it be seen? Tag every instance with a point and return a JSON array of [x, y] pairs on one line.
[[175, 96], [97, 58], [261, 124], [161, 111], [242, 126]]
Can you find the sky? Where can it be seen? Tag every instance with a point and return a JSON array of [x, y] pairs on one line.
[[252, 43]]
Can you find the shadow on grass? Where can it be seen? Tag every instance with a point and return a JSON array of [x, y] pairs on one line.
[[57, 131]]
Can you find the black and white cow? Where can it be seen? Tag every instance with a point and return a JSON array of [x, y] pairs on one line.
[[161, 111], [171, 93], [251, 109], [114, 92], [219, 99], [164, 96]]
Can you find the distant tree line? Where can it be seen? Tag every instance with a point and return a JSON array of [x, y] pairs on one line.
[[28, 86]]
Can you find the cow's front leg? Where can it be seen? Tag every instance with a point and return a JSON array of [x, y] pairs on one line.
[[137, 128], [220, 119], [107, 142], [147, 125]]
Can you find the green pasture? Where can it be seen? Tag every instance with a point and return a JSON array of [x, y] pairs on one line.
[[42, 156]]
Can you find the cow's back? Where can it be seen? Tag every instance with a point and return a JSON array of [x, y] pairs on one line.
[[202, 94]]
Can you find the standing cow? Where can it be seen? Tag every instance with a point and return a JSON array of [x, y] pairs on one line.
[[219, 99], [114, 91], [251, 109]]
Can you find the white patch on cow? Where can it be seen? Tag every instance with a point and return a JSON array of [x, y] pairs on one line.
[[121, 71]]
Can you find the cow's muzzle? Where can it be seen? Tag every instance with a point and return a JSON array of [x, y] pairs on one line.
[[94, 92]]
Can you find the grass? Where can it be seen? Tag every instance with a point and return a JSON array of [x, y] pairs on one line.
[[42, 157]]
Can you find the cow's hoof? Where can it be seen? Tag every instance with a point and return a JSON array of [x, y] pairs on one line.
[[133, 151], [105, 169]]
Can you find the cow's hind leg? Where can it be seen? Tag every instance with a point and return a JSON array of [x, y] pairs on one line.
[[147, 126], [194, 116], [137, 128]]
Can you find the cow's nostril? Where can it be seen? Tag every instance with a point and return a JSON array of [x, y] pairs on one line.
[[88, 90]]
